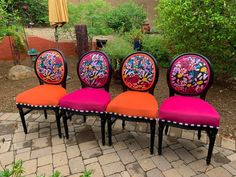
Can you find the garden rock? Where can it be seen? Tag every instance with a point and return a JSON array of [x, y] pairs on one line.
[[19, 72]]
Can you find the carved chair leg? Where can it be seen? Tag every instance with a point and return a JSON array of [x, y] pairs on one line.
[[85, 119], [153, 128], [45, 114], [58, 117], [199, 134], [123, 124], [103, 123], [160, 136], [109, 124], [64, 116], [22, 116], [166, 129], [212, 136]]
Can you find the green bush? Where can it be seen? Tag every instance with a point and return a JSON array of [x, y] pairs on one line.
[[156, 45], [206, 27], [126, 17], [117, 49]]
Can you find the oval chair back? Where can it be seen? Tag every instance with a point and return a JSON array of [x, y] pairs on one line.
[[139, 72], [94, 70], [51, 67], [190, 74]]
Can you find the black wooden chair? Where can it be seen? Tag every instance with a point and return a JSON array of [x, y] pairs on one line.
[[51, 70], [189, 76]]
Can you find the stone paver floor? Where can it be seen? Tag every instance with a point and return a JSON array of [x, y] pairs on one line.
[[42, 152]]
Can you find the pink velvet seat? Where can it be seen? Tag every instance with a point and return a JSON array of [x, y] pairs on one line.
[[86, 99], [189, 110]]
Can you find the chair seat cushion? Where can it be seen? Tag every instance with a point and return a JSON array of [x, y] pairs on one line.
[[90, 99], [44, 95], [189, 110], [134, 103]]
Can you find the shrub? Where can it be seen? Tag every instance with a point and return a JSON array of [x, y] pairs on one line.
[[206, 27], [156, 45], [117, 49], [126, 17]]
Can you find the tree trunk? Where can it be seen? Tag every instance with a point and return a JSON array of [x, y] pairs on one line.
[[82, 39]]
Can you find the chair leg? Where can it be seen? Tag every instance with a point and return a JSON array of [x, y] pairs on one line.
[[85, 119], [153, 128], [109, 124], [58, 116], [103, 123], [22, 116], [212, 136], [199, 134], [166, 129], [123, 124], [65, 124], [45, 114], [160, 136]]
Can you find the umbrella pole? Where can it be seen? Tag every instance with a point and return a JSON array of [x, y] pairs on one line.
[[56, 37]]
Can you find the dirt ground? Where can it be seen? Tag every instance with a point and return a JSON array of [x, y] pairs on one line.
[[223, 98]]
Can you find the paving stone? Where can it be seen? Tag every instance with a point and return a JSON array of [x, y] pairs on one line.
[[201, 175], [130, 126], [76, 165], [6, 137], [204, 138], [161, 163], [46, 170], [132, 145], [154, 173], [142, 154], [219, 159], [7, 158], [41, 143], [23, 150], [189, 145], [171, 173], [185, 155], [119, 146], [44, 132], [112, 168], [225, 152], [33, 127], [96, 169], [200, 166], [169, 154], [30, 166], [230, 169], [188, 134], [5, 116], [184, 170], [23, 156], [141, 127], [135, 169], [44, 125], [76, 175], [64, 170], [125, 174], [4, 147], [91, 153], [18, 137], [56, 140], [23, 144], [31, 136], [175, 146], [125, 156], [71, 141], [88, 145], [233, 164], [199, 153], [60, 159], [115, 175], [228, 143], [176, 132], [41, 152], [143, 140], [72, 151], [31, 175], [232, 157], [108, 151], [169, 140], [218, 172], [92, 160], [108, 158], [45, 160], [147, 164], [124, 136], [58, 148]]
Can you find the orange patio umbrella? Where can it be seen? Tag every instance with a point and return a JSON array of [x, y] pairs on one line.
[[58, 15]]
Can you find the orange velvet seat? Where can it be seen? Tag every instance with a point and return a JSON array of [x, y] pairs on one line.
[[42, 95], [133, 103]]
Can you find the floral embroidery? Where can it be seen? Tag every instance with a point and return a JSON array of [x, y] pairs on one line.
[[94, 69], [138, 72], [50, 67], [190, 74]]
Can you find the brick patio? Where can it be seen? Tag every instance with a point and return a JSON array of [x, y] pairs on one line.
[[42, 151]]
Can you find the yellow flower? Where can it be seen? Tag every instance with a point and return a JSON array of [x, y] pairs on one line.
[[203, 69], [199, 82], [95, 77], [189, 85], [179, 75], [144, 79], [90, 66]]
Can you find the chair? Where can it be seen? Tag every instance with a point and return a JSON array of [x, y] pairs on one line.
[[94, 71], [139, 73], [51, 70], [189, 76]]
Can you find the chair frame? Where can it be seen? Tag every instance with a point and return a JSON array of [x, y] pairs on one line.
[[68, 113], [211, 131], [112, 117], [30, 108]]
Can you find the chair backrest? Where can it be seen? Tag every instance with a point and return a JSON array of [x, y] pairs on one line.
[[94, 70], [51, 67], [190, 74], [139, 72]]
